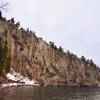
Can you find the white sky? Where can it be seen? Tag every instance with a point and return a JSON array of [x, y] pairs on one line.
[[72, 24]]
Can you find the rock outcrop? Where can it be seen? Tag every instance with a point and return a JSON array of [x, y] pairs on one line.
[[45, 63]]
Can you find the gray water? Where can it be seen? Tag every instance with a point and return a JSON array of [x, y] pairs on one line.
[[50, 93]]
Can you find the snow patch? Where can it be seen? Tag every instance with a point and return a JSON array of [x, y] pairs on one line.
[[19, 79]]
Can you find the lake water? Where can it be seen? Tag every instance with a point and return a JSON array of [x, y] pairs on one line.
[[49, 93]]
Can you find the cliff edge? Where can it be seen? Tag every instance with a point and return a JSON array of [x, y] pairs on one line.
[[45, 63]]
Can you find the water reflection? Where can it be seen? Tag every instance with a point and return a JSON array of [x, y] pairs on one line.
[[50, 93]]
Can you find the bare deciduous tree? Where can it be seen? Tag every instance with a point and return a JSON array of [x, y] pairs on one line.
[[3, 5]]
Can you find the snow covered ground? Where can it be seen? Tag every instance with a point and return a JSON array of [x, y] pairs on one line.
[[18, 80]]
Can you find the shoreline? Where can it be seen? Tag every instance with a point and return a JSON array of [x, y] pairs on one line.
[[9, 85]]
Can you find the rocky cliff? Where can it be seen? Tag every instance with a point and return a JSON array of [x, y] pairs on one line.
[[45, 63]]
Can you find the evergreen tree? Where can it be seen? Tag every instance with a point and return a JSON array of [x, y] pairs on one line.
[[5, 59], [8, 64], [0, 57]]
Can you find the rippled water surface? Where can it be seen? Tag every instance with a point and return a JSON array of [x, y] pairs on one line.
[[49, 93]]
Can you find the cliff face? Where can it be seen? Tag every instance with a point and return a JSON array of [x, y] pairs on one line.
[[43, 62]]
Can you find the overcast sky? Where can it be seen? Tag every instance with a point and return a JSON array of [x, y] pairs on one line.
[[72, 24]]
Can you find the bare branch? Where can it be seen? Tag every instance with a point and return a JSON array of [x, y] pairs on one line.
[[3, 5]]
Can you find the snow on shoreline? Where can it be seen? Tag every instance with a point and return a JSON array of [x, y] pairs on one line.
[[19, 80]]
